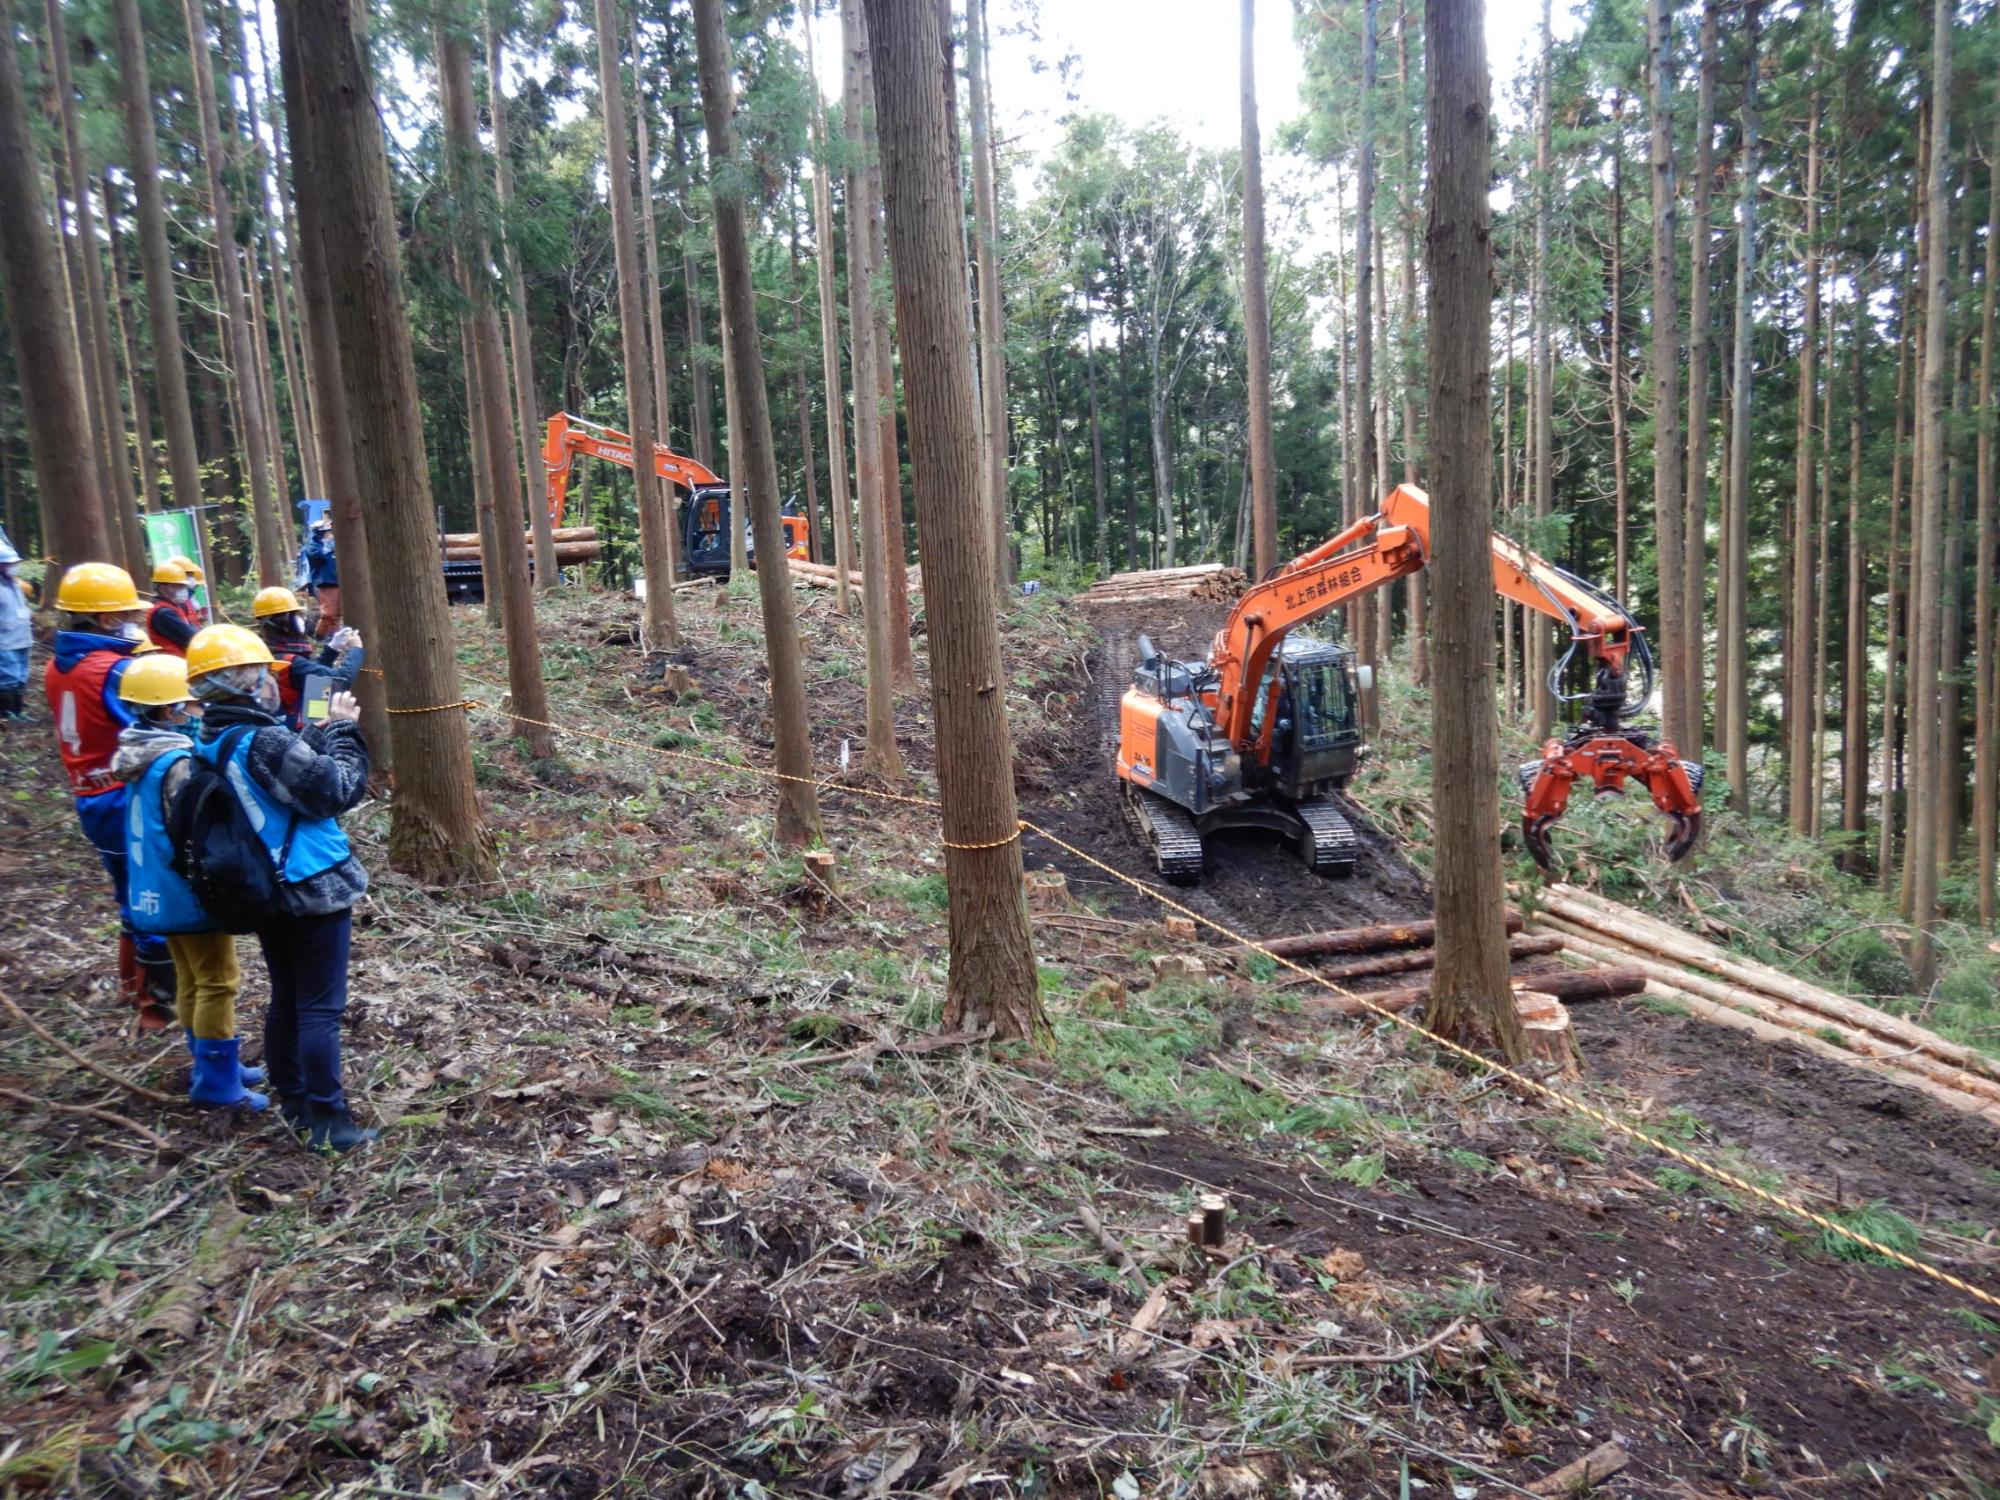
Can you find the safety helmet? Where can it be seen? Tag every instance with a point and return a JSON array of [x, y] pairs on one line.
[[97, 589], [170, 572], [218, 646], [275, 601], [191, 568], [156, 680]]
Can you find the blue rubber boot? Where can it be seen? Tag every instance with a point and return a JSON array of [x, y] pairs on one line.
[[218, 1077], [244, 1071]]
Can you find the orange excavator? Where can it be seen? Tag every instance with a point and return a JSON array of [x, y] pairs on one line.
[[1264, 732], [703, 509]]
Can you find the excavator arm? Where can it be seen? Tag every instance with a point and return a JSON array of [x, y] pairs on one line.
[[1394, 543], [568, 437]]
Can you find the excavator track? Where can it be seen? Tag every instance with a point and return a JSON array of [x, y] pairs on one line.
[[1168, 833], [1334, 844]]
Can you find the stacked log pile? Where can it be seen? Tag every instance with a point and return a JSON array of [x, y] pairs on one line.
[[574, 544], [820, 575], [1725, 989], [1213, 581]]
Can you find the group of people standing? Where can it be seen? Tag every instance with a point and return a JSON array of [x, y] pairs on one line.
[[146, 701]]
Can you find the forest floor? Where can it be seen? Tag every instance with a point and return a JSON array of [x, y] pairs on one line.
[[682, 1190]]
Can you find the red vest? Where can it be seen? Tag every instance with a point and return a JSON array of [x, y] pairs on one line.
[[86, 733], [159, 640], [290, 689]]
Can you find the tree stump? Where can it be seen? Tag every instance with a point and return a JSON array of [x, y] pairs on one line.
[[678, 681], [1181, 929], [1545, 1028], [1048, 890], [1178, 965]]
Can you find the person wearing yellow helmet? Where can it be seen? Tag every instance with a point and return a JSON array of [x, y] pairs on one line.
[[282, 623], [196, 580], [155, 755], [17, 634], [294, 787], [167, 620], [98, 618]]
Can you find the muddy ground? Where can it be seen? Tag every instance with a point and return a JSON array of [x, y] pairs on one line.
[[674, 1200]]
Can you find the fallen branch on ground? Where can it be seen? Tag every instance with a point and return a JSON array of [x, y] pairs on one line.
[[77, 1057], [110, 1117]]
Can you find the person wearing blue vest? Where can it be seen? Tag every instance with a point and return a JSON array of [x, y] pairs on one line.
[[153, 757], [293, 788]]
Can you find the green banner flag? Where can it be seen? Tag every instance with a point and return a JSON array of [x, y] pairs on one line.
[[172, 533]]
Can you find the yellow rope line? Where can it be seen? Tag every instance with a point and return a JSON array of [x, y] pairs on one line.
[[1499, 1069]]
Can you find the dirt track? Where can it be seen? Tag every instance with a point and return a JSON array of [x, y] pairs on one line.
[[1252, 882]]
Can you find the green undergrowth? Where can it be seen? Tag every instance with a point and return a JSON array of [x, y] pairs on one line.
[[1759, 890]]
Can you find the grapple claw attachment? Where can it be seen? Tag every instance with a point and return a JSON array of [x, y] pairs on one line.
[[1686, 832], [1535, 833]]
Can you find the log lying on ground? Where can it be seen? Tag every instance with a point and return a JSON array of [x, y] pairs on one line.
[[1854, 1044], [1349, 940], [1424, 958], [820, 575], [562, 534], [1571, 986], [1625, 928], [1201, 581], [566, 552]]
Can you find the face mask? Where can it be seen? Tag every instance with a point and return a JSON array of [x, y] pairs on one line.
[[174, 593], [267, 694], [130, 631]]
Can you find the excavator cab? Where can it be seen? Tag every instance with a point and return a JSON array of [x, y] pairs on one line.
[[1308, 699]]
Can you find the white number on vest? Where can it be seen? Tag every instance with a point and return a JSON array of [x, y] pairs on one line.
[[66, 724]]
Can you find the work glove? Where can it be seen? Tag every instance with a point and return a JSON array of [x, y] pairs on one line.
[[347, 638]]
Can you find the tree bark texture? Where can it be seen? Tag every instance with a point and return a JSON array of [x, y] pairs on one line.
[[508, 563], [732, 426], [993, 981], [1669, 525], [655, 510], [99, 370], [1922, 851], [798, 803], [1986, 564], [1736, 522], [435, 830], [128, 342], [1257, 319], [1536, 653], [992, 319], [45, 354], [272, 564], [1471, 1000], [527, 407], [1799, 797], [1366, 643], [1701, 343], [1854, 675], [329, 398], [155, 258], [829, 344]]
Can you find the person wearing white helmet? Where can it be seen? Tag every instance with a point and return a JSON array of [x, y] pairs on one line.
[[16, 634]]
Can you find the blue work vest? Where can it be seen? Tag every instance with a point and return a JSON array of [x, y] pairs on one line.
[[156, 899], [300, 847]]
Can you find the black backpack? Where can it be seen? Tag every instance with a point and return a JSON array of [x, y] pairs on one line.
[[218, 853]]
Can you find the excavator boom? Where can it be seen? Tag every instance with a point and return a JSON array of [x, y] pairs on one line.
[[570, 437], [1394, 543]]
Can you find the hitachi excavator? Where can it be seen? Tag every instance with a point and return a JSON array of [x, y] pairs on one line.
[[1262, 733], [702, 512]]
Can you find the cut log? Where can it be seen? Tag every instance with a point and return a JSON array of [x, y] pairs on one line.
[[1715, 1014], [566, 552], [1366, 939], [1579, 1476], [1855, 1042], [562, 534], [1622, 927], [1422, 958], [1573, 987]]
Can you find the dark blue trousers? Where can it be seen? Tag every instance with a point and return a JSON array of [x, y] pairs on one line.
[[307, 957]]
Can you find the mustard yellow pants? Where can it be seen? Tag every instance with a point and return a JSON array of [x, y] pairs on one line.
[[206, 980]]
